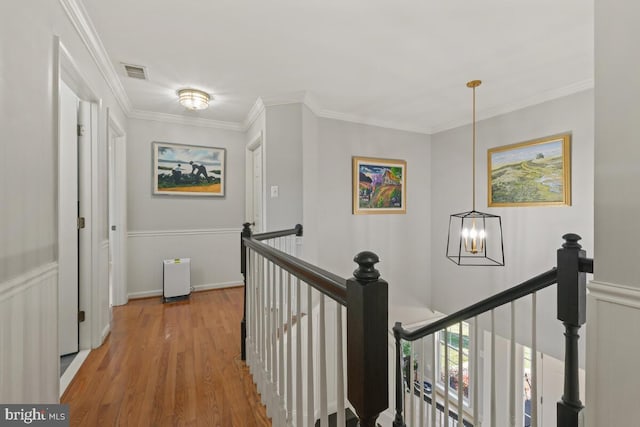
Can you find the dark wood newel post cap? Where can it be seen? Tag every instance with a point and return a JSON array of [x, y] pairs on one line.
[[366, 271], [571, 241], [246, 229]]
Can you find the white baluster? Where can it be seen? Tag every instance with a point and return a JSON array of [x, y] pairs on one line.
[[299, 400], [340, 368], [248, 288], [434, 380], [411, 410], [423, 378], [446, 376], [260, 319], [274, 342], [280, 308], [476, 377], [310, 389], [289, 350], [322, 354], [512, 369], [460, 376], [534, 361], [493, 369]]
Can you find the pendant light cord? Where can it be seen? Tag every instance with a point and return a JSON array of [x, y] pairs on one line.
[[474, 150]]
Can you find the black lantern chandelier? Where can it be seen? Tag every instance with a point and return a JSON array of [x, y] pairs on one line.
[[475, 238]]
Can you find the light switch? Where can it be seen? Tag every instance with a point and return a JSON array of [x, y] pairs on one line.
[[274, 191]]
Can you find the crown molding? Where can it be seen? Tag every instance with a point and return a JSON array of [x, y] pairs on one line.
[[284, 99], [253, 114], [184, 120], [78, 16], [518, 105], [353, 118], [311, 102]]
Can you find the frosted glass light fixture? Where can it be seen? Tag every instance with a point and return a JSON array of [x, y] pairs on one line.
[[475, 238], [193, 99]]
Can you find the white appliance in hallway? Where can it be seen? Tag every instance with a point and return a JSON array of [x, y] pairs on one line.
[[176, 278]]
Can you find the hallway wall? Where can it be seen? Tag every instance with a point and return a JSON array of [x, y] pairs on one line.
[[28, 195], [531, 234], [204, 229], [614, 295], [334, 235]]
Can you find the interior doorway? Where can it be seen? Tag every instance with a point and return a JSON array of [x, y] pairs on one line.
[[255, 185], [78, 109], [69, 222], [117, 212]]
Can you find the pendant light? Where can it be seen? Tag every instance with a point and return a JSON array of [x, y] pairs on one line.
[[475, 238]]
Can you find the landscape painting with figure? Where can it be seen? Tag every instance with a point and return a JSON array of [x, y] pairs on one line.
[[188, 170], [530, 173], [378, 186]]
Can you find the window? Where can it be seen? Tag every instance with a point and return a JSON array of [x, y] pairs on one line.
[[453, 343]]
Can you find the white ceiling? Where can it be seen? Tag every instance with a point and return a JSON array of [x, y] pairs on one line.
[[401, 64]]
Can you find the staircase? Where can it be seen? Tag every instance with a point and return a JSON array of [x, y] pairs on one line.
[[317, 343]]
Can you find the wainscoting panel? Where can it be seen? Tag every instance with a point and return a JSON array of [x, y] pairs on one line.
[[613, 345], [29, 362], [214, 253]]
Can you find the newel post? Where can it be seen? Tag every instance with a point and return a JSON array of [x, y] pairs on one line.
[[367, 354], [246, 232], [572, 311]]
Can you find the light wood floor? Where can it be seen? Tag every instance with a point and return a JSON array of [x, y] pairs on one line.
[[174, 364]]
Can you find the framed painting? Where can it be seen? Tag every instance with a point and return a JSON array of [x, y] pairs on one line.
[[532, 173], [379, 186], [188, 170]]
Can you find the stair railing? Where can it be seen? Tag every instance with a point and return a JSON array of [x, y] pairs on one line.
[[570, 276], [289, 362]]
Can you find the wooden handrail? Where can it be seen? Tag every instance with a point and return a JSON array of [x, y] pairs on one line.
[[297, 230], [332, 285], [527, 287]]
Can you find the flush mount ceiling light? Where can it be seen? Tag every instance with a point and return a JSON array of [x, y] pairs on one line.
[[475, 238], [193, 99]]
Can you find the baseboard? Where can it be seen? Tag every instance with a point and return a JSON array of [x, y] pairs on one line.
[[105, 333], [145, 294], [221, 285], [72, 370], [197, 288]]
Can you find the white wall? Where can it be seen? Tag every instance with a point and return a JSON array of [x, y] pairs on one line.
[[28, 195], [283, 165], [334, 235], [531, 234], [205, 229], [614, 301]]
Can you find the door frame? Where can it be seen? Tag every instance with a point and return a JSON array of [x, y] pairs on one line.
[[67, 70], [116, 131], [255, 144]]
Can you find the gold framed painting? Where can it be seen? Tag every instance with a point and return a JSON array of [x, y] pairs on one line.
[[379, 186], [531, 173]]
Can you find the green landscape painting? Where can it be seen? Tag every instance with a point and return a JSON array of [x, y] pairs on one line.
[[531, 173]]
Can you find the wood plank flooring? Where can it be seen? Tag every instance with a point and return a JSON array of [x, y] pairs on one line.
[[174, 364]]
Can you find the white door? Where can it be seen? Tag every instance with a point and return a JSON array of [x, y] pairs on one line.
[[113, 221], [257, 189], [68, 222]]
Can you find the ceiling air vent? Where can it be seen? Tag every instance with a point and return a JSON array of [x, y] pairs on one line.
[[135, 71]]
